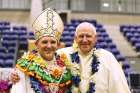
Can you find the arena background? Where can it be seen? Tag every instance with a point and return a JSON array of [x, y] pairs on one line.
[[119, 20]]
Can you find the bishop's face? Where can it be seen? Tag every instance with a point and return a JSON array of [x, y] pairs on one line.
[[46, 47]]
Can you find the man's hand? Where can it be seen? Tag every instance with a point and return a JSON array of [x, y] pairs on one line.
[[14, 77]]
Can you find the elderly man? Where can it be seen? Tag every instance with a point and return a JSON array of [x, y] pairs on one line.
[[42, 70], [93, 70]]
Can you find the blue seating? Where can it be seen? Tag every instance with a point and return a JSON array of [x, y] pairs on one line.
[[100, 39], [104, 34], [73, 21], [9, 56], [99, 26], [115, 51], [8, 63], [2, 56], [21, 33], [4, 28], [10, 37], [2, 50], [4, 23], [108, 40], [19, 28], [68, 44], [71, 28], [103, 45], [137, 45], [8, 44], [112, 45], [1, 63], [12, 50], [13, 38], [66, 33], [68, 38], [125, 65], [120, 58], [31, 35], [132, 34], [129, 36]]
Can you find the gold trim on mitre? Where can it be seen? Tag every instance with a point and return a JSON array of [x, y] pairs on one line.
[[48, 23]]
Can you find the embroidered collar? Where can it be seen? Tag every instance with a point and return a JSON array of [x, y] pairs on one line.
[[76, 71]]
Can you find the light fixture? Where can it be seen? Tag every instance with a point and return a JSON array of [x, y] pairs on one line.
[[106, 4]]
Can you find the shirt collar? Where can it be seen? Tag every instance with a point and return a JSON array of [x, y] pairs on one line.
[[90, 53]]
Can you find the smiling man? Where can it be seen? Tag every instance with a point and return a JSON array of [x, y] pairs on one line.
[[42, 70], [93, 70], [85, 37], [47, 47]]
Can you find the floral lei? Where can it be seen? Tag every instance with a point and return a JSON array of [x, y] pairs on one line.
[[33, 66], [76, 73], [4, 85]]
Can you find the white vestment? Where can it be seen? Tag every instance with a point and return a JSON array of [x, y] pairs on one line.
[[110, 77], [23, 85]]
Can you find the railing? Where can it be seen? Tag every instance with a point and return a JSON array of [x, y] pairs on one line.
[[15, 4], [121, 6], [112, 6], [56, 4]]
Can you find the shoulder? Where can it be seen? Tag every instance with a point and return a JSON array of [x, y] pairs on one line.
[[29, 54], [67, 50], [67, 53], [106, 58], [103, 53]]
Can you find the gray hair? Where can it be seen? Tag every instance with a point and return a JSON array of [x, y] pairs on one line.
[[85, 24]]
